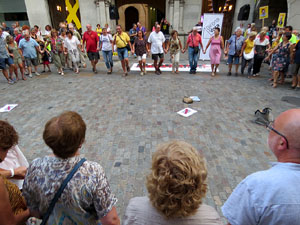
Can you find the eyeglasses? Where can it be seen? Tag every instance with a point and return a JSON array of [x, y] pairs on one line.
[[270, 128]]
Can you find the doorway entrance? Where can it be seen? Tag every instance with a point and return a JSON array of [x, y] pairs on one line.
[[131, 17], [62, 10]]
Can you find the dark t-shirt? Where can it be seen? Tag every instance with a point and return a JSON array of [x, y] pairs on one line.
[[165, 28], [140, 47], [297, 55]]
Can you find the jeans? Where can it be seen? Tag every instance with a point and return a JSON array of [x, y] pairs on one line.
[[107, 55], [193, 59], [244, 64]]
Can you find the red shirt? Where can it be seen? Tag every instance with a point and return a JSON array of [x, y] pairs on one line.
[[91, 40], [196, 39]]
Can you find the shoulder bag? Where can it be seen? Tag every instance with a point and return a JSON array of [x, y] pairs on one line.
[[237, 52], [60, 191], [196, 49], [127, 45]]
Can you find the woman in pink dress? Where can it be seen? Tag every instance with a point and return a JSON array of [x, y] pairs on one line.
[[217, 43]]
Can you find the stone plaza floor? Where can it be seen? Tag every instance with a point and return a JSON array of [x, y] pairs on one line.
[[128, 117]]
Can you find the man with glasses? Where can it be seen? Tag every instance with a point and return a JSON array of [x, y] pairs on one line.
[[272, 196]]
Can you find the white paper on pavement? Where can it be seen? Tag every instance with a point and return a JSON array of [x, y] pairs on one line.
[[8, 107], [186, 112], [195, 98]]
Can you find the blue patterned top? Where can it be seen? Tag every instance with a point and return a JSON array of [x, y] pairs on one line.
[[86, 198]]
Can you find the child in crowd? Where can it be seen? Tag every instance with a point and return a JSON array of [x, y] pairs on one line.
[[45, 57]]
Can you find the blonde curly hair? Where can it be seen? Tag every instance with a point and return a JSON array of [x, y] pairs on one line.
[[177, 182]]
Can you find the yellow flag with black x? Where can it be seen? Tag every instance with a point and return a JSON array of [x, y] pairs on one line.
[[73, 13]]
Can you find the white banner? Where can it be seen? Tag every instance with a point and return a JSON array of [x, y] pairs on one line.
[[210, 22]]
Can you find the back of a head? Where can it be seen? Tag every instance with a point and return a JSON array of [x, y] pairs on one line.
[[65, 133], [291, 127], [8, 136], [177, 182]]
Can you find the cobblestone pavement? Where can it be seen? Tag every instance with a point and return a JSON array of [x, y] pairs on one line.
[[128, 117]]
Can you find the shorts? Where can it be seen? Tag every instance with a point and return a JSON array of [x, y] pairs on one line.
[[30, 61], [18, 61], [296, 68], [122, 53], [233, 59], [144, 56], [155, 56], [5, 61], [93, 56]]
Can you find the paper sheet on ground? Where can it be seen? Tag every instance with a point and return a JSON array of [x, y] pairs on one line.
[[8, 107], [186, 112], [195, 98]]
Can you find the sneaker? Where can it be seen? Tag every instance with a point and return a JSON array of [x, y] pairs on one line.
[[62, 73], [10, 81], [229, 74], [37, 73], [145, 72], [30, 75], [142, 73]]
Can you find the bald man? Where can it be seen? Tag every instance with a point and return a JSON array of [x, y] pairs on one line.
[[91, 41], [272, 196]]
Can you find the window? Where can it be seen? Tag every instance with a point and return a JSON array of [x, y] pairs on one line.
[[15, 16]]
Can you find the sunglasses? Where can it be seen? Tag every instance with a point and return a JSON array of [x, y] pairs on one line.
[[270, 127]]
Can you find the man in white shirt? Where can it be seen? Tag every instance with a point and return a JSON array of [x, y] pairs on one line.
[[156, 42]]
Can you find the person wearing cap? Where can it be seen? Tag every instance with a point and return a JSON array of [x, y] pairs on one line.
[[233, 50], [193, 42]]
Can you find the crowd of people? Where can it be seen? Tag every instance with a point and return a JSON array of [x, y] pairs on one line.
[[25, 49], [65, 188]]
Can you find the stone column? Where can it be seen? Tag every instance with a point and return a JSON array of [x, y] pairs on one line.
[[181, 5], [38, 15], [171, 12], [98, 11], [293, 15], [176, 15]]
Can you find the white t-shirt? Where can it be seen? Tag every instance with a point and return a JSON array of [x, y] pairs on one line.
[[106, 44], [71, 44], [264, 43], [156, 40]]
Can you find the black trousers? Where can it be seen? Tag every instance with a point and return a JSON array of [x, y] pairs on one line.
[[257, 64]]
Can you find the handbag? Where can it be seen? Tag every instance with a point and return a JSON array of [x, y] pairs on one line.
[[263, 117], [60, 191], [127, 45], [249, 55], [237, 52]]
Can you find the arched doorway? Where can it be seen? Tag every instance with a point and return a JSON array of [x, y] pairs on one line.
[[131, 17]]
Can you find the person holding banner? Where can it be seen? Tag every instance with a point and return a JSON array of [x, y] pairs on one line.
[[193, 42], [215, 52], [233, 49]]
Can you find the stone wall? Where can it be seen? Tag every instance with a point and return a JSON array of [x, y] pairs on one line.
[[38, 15], [294, 14]]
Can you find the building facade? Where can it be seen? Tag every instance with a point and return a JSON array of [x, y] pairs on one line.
[[182, 14]]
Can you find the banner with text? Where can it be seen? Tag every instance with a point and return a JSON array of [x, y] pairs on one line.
[[210, 22]]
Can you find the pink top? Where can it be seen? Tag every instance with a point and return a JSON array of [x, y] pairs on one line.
[[194, 40]]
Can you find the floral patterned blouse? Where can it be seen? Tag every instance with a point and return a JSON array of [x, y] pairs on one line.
[[86, 198], [56, 44]]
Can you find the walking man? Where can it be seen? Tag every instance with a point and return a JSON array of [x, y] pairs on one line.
[[91, 42], [193, 42], [156, 42], [122, 41], [5, 58], [29, 48]]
